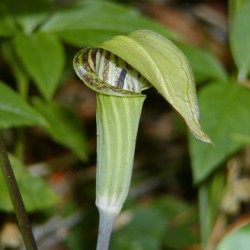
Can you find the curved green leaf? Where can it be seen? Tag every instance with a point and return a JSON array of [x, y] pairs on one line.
[[43, 57], [14, 111], [165, 67], [101, 70]]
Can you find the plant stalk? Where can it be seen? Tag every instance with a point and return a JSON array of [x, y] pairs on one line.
[[105, 229], [21, 215]]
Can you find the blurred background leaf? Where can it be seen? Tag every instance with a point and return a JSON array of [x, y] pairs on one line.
[[14, 111], [156, 223], [91, 22], [36, 193], [181, 219], [7, 23], [28, 15], [144, 231], [236, 239], [63, 126], [44, 68], [240, 40], [20, 75], [220, 104]]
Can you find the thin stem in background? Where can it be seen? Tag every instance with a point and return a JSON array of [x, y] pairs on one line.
[[21, 215]]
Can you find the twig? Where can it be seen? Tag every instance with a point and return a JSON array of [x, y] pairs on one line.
[[21, 215]]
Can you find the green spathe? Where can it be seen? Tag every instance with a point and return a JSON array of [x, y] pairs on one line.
[[118, 70], [117, 125], [165, 67]]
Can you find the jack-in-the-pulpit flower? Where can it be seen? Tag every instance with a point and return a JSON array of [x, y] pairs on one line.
[[118, 70]]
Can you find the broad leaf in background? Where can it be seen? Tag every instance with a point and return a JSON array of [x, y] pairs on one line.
[[240, 40], [27, 13], [204, 64], [63, 126], [14, 111], [7, 23], [43, 57], [145, 231], [36, 193], [180, 219], [236, 239], [156, 225], [92, 22], [242, 138], [21, 77], [225, 112]]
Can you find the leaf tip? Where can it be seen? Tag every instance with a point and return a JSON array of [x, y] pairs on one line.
[[200, 135]]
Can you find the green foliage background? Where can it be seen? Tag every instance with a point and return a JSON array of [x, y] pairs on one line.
[[34, 42]]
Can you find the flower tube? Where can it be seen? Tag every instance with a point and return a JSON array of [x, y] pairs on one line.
[[118, 70]]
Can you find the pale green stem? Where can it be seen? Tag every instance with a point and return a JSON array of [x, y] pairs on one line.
[[117, 125], [105, 229], [203, 214]]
